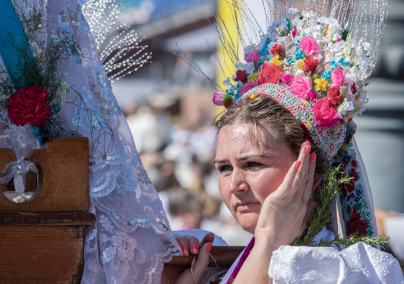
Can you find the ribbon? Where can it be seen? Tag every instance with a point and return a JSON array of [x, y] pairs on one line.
[[11, 36]]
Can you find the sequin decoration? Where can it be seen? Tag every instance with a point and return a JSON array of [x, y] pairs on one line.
[[329, 142], [78, 20], [125, 181], [88, 118]]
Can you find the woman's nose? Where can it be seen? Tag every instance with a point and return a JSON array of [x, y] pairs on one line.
[[238, 182]]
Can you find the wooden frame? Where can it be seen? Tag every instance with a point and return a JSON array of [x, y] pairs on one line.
[[63, 177]]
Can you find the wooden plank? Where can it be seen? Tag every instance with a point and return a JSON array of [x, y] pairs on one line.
[[41, 254], [63, 183], [46, 219], [223, 255]]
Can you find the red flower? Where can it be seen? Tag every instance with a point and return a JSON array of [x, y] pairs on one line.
[[354, 88], [357, 225], [28, 106], [277, 49], [228, 104], [241, 75], [335, 95], [348, 210], [270, 73], [354, 163], [310, 64]]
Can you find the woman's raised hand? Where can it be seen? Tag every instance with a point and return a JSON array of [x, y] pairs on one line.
[[283, 216], [190, 246]]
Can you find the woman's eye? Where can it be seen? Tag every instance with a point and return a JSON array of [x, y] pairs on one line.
[[253, 165], [226, 168]]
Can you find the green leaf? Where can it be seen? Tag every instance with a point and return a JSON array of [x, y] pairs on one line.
[[345, 34]]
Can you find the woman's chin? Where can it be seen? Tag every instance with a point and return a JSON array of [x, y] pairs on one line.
[[248, 221]]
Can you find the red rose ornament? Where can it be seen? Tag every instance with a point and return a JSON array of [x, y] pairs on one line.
[[277, 49], [28, 106], [335, 95], [270, 73], [310, 64]]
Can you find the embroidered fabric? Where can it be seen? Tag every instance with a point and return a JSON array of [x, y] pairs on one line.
[[357, 264], [131, 238]]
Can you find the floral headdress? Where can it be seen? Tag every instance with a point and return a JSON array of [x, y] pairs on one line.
[[310, 65], [315, 63]]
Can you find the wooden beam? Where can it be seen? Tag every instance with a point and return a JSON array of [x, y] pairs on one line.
[[46, 219], [223, 255]]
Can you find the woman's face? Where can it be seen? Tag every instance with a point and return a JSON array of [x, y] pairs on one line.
[[248, 175]]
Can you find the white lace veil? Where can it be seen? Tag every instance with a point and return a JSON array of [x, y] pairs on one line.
[[131, 238]]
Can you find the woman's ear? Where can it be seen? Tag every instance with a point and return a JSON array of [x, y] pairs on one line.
[[316, 180]]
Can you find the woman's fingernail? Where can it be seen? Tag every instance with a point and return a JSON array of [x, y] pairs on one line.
[[209, 247], [314, 205], [313, 157], [185, 250], [307, 150], [194, 249], [298, 163], [179, 244]]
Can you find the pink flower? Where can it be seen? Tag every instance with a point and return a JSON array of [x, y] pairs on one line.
[[325, 114], [246, 87], [301, 87], [218, 98], [287, 79], [337, 77], [310, 46], [312, 95], [253, 57]]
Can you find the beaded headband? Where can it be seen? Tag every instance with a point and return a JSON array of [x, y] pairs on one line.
[[328, 139]]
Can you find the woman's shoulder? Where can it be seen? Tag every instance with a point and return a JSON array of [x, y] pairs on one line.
[[361, 262]]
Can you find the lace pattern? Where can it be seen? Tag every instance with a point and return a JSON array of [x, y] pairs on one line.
[[131, 238]]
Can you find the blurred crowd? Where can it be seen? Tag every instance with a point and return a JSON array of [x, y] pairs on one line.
[[178, 156]]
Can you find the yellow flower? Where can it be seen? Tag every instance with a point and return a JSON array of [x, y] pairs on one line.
[[252, 96], [300, 64], [254, 76], [321, 84], [276, 60]]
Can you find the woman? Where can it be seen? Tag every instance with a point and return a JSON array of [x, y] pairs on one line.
[[267, 186], [289, 122]]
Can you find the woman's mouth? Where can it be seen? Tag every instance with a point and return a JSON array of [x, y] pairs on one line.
[[245, 206]]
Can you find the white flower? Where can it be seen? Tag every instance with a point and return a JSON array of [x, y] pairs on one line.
[[227, 83], [300, 73], [360, 106], [336, 36], [248, 67], [367, 47], [310, 14], [292, 11], [344, 108], [248, 49]]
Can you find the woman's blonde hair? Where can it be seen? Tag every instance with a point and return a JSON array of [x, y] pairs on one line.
[[263, 111]]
